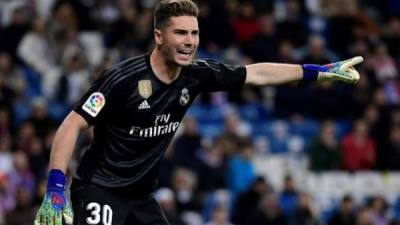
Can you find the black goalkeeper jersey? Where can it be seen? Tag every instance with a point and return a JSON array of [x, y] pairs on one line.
[[135, 115]]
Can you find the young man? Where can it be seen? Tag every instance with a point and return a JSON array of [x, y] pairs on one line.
[[135, 107]]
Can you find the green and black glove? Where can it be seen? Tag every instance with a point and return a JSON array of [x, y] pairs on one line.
[[339, 71], [56, 204]]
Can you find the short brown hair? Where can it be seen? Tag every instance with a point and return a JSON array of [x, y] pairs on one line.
[[169, 8]]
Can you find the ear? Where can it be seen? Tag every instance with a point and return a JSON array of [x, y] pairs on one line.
[[157, 36]]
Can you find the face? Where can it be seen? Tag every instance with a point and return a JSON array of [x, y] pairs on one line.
[[178, 40]]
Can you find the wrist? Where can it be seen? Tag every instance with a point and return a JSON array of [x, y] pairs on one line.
[[310, 72], [56, 180]]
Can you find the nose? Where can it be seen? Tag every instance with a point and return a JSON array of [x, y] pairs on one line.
[[189, 40]]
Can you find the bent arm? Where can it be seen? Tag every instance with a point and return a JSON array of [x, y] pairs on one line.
[[65, 140], [273, 73]]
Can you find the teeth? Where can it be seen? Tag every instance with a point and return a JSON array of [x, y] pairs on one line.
[[185, 52]]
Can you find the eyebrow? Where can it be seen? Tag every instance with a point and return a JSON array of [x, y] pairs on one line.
[[186, 31]]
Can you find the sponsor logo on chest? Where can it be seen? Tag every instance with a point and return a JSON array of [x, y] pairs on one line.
[[162, 126]]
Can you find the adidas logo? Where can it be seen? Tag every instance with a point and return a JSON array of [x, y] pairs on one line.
[[144, 105]]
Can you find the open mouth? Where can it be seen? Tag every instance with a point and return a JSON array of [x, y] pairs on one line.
[[185, 53]]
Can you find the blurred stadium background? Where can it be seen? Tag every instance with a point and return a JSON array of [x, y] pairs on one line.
[[288, 155]]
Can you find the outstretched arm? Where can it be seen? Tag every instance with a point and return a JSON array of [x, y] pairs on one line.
[[279, 73], [65, 140], [273, 73]]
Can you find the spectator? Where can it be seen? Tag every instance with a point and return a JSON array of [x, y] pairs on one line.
[[285, 52], [22, 214], [280, 138], [35, 48], [305, 212], [25, 134], [392, 36], [37, 158], [241, 172], [235, 130], [219, 198], [379, 123], [14, 77], [247, 202], [12, 34], [289, 197], [185, 191], [269, 212], [382, 63], [21, 176], [220, 217], [221, 16], [212, 168], [188, 145], [324, 152], [122, 30], [391, 150], [235, 127], [325, 98], [74, 81], [316, 52], [167, 165], [7, 198], [293, 27], [166, 199], [342, 21], [5, 123], [264, 46], [358, 149], [7, 90], [379, 208], [6, 157], [246, 24], [345, 215], [39, 118], [365, 217]]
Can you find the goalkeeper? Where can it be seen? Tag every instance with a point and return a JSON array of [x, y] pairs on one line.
[[135, 107]]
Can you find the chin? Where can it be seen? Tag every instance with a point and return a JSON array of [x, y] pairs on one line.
[[183, 63]]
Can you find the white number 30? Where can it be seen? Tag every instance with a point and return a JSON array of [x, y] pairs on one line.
[[95, 209]]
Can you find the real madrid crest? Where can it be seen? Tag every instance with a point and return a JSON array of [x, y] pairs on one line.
[[185, 97], [144, 87]]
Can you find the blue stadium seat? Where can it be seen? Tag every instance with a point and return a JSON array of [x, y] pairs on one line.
[[307, 129], [22, 111], [254, 112], [58, 110], [206, 113], [210, 130], [196, 111], [342, 128], [34, 87], [396, 209]]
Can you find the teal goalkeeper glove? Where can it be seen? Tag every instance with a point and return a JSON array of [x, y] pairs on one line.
[[55, 203], [338, 71]]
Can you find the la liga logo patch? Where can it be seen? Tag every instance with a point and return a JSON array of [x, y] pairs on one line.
[[94, 104]]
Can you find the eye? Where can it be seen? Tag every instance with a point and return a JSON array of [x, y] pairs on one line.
[[180, 32]]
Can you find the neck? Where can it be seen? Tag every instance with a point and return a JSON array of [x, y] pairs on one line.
[[165, 71]]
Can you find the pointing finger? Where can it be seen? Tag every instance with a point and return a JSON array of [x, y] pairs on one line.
[[351, 62]]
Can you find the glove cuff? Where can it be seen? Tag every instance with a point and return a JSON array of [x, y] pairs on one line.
[[56, 180], [310, 72]]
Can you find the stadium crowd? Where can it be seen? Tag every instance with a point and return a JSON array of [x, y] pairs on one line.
[[51, 50]]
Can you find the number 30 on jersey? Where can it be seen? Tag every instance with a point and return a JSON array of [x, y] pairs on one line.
[[99, 214]]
